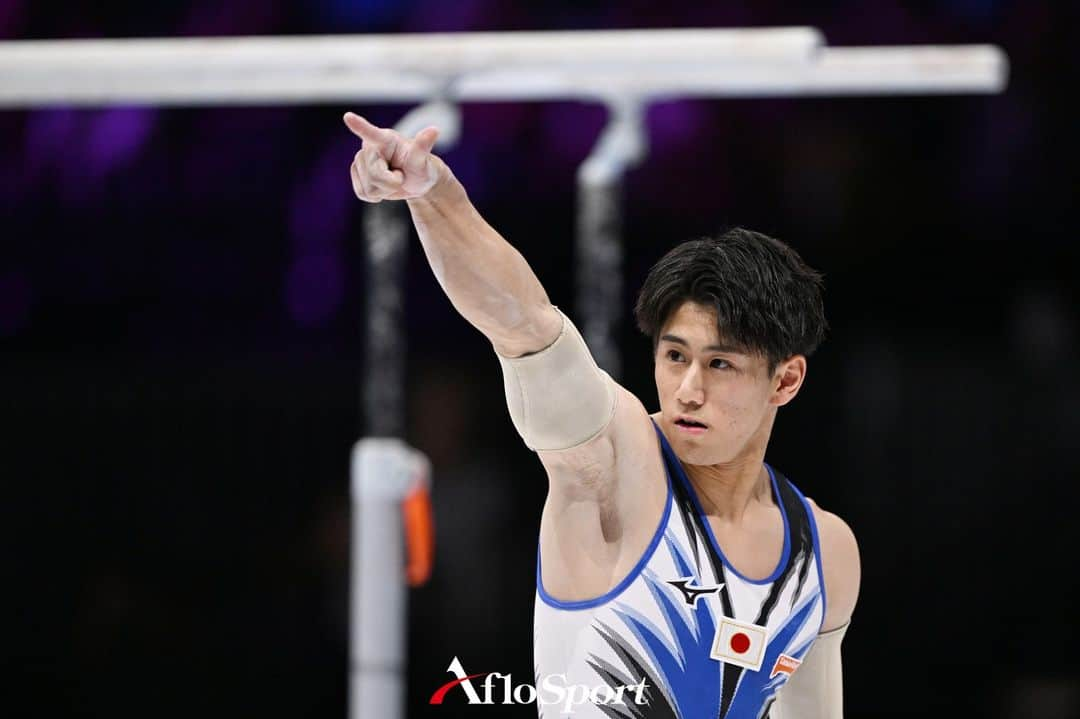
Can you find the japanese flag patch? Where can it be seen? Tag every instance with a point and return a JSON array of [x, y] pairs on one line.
[[739, 643]]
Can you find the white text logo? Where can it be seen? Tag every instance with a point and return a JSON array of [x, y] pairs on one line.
[[552, 690]]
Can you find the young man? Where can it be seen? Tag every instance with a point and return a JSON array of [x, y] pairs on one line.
[[671, 554]]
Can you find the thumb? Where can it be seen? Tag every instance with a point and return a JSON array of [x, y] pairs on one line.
[[425, 139]]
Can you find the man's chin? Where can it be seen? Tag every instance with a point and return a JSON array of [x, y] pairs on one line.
[[691, 450]]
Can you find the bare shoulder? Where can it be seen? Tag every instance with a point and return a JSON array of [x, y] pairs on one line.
[[840, 565]]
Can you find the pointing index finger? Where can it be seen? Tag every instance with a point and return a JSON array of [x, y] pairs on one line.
[[365, 130]]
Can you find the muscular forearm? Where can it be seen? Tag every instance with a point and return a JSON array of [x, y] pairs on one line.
[[558, 397], [486, 279]]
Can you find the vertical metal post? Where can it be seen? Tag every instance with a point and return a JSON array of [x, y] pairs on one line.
[[598, 249], [385, 471], [386, 230]]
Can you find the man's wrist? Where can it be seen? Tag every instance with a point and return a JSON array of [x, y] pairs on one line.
[[446, 188]]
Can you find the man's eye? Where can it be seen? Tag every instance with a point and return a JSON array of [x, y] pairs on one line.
[[720, 364], [673, 355]]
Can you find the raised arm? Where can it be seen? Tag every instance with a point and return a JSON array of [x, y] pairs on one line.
[[557, 396], [486, 279]]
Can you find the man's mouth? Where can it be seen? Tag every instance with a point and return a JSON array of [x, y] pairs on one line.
[[690, 425]]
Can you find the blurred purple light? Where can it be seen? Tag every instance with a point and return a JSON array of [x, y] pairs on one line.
[[320, 204], [11, 184], [315, 285], [470, 169], [49, 133], [16, 298], [673, 125], [314, 289], [10, 17], [81, 147], [116, 136], [571, 129], [233, 18], [363, 14], [880, 23], [56, 144], [439, 16]]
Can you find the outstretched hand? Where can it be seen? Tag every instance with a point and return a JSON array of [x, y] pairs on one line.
[[390, 166]]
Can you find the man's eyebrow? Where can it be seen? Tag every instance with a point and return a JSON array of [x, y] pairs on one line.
[[711, 348]]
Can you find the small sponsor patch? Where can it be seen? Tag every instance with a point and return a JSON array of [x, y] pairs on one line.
[[784, 665], [739, 643]]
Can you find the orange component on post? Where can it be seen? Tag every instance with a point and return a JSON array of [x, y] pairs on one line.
[[419, 536]]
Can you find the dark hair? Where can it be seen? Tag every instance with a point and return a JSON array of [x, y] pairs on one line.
[[767, 300]]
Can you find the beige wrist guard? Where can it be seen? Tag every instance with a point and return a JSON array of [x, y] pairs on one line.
[[558, 397], [816, 689]]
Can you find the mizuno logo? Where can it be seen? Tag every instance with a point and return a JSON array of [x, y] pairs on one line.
[[692, 594]]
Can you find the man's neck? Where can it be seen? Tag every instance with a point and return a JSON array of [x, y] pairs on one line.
[[727, 490]]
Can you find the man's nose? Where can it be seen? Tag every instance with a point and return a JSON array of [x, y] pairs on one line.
[[690, 390]]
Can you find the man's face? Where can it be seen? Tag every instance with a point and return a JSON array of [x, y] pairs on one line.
[[702, 379]]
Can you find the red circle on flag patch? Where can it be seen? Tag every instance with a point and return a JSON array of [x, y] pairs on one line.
[[739, 643]]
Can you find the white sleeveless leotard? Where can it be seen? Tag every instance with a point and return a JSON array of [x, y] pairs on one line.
[[707, 642]]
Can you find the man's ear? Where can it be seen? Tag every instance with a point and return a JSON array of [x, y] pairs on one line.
[[787, 379]]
